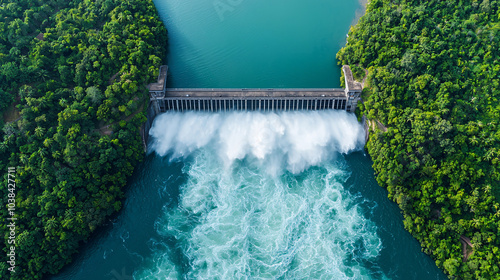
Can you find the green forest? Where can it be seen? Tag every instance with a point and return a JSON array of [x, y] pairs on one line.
[[72, 97], [434, 82]]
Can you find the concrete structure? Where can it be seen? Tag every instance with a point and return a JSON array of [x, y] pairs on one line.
[[157, 90], [353, 89], [163, 99], [216, 100]]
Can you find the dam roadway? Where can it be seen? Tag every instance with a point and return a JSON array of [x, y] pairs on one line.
[[254, 93]]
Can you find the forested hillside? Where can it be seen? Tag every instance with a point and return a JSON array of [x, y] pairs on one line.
[[434, 81], [77, 70]]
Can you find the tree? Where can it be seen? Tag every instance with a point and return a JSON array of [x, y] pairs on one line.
[[94, 94]]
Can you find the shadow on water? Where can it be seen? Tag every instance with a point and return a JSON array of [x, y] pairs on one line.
[[399, 246]]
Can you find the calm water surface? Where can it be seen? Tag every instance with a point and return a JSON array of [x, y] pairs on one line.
[[256, 43], [251, 195]]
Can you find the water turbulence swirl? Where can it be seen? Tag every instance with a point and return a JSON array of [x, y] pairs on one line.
[[264, 198]]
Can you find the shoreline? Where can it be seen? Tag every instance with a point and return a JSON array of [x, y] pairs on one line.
[[361, 11]]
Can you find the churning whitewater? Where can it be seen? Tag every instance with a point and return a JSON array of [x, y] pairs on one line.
[[264, 198]]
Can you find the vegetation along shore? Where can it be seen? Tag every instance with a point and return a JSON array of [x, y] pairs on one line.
[[73, 68]]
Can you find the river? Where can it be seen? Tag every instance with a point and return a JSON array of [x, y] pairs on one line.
[[243, 195]]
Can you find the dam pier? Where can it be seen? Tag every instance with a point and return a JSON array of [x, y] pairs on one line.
[[164, 99]]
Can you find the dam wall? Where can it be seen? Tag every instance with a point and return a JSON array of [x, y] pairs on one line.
[[217, 100], [163, 99]]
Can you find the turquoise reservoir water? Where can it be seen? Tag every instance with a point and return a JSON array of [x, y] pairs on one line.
[[254, 195], [256, 43]]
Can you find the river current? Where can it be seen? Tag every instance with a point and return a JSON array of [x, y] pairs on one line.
[[250, 195]]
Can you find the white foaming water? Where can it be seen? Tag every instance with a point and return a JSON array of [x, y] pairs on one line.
[[264, 198], [297, 140]]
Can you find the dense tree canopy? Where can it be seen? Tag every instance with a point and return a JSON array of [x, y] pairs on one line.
[[434, 82], [81, 91]]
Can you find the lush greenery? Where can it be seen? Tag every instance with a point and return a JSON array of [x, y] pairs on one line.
[[434, 82], [81, 93]]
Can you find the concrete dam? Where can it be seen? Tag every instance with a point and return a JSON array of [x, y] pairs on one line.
[[164, 99]]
